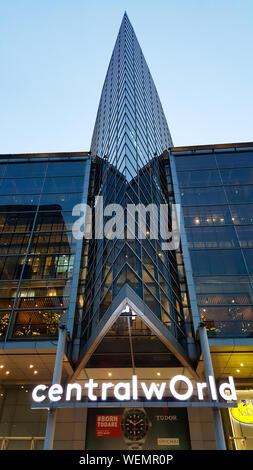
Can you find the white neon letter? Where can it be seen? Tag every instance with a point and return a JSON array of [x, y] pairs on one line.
[[153, 389], [90, 386], [55, 392], [212, 387], [105, 386], [228, 386], [35, 396], [200, 387], [135, 387], [181, 396], [78, 389], [126, 394]]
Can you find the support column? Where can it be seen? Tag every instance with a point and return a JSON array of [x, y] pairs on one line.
[[220, 439], [52, 412]]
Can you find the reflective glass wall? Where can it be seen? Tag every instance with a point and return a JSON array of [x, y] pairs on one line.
[[216, 187], [149, 270], [130, 125], [130, 131], [37, 248]]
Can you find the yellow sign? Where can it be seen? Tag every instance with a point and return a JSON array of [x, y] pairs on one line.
[[244, 412]]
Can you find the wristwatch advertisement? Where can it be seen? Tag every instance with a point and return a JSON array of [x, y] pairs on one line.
[[137, 428], [135, 425]]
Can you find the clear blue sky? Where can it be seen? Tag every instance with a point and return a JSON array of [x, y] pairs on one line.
[[54, 55]]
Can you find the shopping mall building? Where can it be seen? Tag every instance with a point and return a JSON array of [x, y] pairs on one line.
[[120, 324]]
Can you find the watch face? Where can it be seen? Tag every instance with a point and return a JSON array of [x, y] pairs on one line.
[[134, 424]]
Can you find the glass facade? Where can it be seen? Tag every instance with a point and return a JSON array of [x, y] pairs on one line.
[[130, 125], [216, 195], [140, 263], [130, 130], [37, 248], [99, 281]]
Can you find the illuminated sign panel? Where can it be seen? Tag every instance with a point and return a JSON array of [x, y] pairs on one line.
[[130, 390], [244, 412]]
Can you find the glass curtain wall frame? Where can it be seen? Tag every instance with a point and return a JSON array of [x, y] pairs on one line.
[[216, 189], [142, 264], [38, 249]]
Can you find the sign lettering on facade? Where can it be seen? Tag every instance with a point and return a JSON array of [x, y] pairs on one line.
[[126, 391]]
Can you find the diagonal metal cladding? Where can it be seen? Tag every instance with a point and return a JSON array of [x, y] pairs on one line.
[[127, 297]]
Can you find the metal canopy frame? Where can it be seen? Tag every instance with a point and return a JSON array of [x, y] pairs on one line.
[[128, 297]]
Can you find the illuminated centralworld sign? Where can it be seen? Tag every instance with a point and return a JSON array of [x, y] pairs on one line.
[[126, 391]]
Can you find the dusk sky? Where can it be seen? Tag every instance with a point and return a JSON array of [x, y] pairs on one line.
[[54, 56]]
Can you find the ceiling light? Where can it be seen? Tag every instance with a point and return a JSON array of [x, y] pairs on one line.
[[238, 370], [109, 374], [241, 364], [7, 372], [35, 372], [158, 373], [31, 366], [1, 366]]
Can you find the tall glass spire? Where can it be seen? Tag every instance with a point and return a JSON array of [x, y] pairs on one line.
[[129, 135], [130, 126]]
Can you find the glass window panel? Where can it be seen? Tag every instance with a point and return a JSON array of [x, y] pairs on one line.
[[195, 162], [242, 214], [202, 196], [4, 321], [46, 267], [11, 267], [237, 175], [3, 167], [152, 303], [36, 323], [239, 194], [19, 170], [199, 178], [120, 281], [63, 185], [16, 202], [58, 202], [234, 159], [230, 313], [234, 285], [21, 186], [212, 237], [149, 282], [66, 168], [217, 262], [149, 264], [245, 235], [133, 281], [106, 302], [8, 290], [17, 222], [62, 242], [53, 221], [13, 244], [248, 254], [207, 215], [233, 298]]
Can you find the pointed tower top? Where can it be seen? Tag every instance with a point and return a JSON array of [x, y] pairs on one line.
[[129, 105]]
